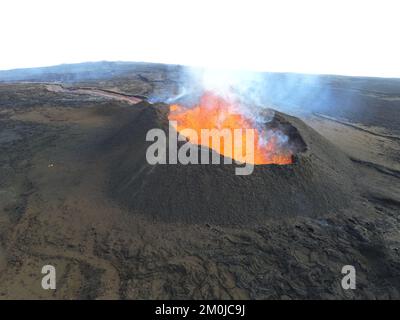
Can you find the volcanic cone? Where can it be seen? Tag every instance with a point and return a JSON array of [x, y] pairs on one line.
[[317, 183]]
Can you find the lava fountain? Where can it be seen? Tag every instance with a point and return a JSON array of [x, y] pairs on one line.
[[217, 112]]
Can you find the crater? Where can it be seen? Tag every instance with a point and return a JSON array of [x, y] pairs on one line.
[[318, 183]]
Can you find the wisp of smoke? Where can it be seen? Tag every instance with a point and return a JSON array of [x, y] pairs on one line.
[[258, 91], [258, 94], [246, 88]]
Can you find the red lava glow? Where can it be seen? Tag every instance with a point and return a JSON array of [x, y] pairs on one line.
[[216, 112]]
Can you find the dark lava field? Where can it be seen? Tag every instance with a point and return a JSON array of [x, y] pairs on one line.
[[77, 193]]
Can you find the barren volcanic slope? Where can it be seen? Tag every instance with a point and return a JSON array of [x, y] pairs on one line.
[[76, 193]]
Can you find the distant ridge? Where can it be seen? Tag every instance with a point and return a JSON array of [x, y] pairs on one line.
[[77, 72]]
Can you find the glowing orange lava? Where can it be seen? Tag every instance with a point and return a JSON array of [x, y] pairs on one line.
[[215, 112]]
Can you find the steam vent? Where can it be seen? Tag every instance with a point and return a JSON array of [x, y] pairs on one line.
[[317, 182]]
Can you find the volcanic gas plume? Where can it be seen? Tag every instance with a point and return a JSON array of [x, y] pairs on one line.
[[226, 113]]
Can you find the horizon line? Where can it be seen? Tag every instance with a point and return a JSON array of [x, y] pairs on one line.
[[198, 67]]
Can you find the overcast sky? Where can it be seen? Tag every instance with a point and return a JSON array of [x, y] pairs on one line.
[[338, 37]]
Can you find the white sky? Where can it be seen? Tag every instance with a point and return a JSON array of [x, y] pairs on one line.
[[339, 37]]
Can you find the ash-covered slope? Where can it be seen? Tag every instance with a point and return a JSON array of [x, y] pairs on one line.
[[319, 182]]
